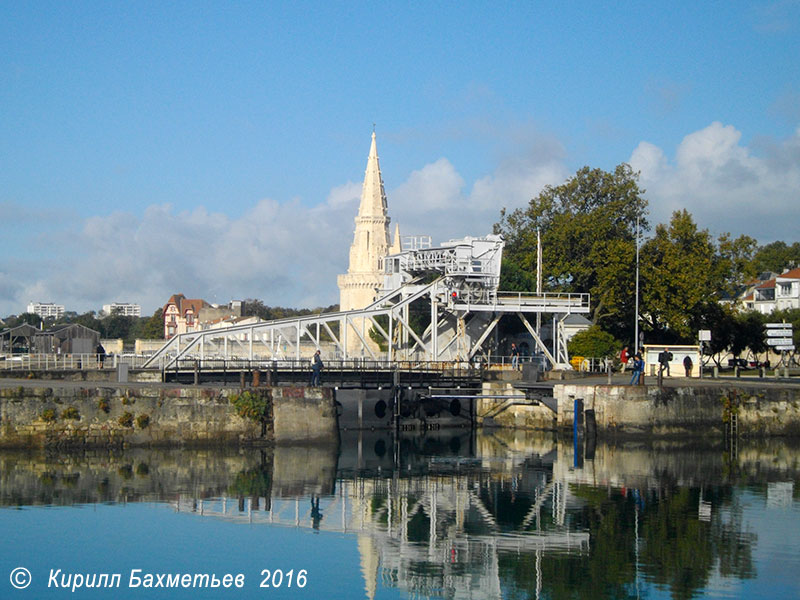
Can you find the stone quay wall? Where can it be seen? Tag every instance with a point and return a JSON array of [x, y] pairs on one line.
[[36, 415], [669, 411], [692, 410]]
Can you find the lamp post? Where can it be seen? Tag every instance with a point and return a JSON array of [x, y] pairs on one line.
[[636, 309]]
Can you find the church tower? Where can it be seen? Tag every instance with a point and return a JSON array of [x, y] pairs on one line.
[[358, 286]]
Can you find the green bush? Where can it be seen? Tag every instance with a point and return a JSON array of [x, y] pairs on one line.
[[126, 420], [103, 405], [593, 342], [142, 421], [71, 413], [252, 405], [49, 415]]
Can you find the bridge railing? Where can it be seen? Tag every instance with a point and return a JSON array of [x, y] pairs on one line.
[[61, 362]]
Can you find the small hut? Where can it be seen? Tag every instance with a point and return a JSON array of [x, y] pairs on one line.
[[19, 339]]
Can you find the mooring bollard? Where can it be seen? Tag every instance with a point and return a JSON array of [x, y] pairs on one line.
[[196, 372], [256, 377], [716, 372]]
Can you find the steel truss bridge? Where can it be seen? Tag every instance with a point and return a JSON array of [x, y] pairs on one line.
[[454, 285]]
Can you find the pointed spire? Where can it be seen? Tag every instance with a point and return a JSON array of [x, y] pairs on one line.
[[397, 247], [373, 196]]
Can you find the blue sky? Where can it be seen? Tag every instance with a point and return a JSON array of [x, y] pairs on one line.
[[217, 149]]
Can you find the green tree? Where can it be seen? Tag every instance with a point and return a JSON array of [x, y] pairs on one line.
[[734, 262], [588, 232], [776, 257], [151, 328], [593, 342], [678, 278]]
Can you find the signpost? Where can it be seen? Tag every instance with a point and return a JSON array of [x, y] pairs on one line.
[[779, 337], [704, 335]]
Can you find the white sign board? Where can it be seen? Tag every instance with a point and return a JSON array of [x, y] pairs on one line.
[[779, 341], [779, 333], [704, 335], [787, 348]]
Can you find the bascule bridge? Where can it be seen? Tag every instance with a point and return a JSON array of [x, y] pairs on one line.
[[406, 301]]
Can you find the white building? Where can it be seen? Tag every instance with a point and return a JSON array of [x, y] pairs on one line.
[[122, 308], [777, 293], [46, 310]]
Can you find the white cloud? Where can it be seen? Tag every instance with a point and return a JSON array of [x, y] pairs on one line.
[[725, 185]]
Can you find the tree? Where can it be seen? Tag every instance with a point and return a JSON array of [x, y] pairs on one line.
[[776, 257], [593, 342], [678, 278], [588, 231], [734, 262], [151, 328]]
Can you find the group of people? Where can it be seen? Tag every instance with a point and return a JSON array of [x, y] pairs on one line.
[[637, 364]]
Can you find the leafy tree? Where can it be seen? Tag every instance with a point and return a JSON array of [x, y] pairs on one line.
[[776, 257], [29, 318], [677, 277], [734, 262], [588, 229], [593, 342], [151, 328], [89, 320]]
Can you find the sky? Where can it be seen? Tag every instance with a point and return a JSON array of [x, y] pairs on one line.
[[218, 149]]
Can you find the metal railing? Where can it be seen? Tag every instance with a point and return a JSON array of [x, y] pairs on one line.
[[61, 362]]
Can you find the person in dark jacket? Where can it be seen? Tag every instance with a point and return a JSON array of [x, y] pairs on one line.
[[316, 368], [687, 365]]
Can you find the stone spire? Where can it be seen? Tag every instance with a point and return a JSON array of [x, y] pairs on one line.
[[357, 287], [370, 240]]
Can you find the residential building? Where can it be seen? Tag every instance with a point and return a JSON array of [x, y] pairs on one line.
[[122, 308], [46, 310], [181, 315], [184, 315], [772, 292]]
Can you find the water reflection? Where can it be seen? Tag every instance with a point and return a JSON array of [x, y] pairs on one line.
[[451, 515]]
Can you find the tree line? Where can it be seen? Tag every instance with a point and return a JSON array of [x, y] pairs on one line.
[[589, 226]]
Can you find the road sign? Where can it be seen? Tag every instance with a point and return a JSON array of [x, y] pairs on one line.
[[784, 341], [704, 335], [779, 333], [788, 348]]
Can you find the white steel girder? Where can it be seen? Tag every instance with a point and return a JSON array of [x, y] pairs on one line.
[[446, 338]]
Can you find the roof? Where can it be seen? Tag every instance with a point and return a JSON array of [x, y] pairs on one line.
[[766, 285], [793, 274], [185, 304]]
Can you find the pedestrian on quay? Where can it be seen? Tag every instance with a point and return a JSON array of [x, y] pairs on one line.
[[316, 369], [687, 365], [638, 369], [623, 358], [664, 358], [514, 356]]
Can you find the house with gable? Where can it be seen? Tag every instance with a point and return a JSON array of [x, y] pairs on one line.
[[772, 292], [181, 315]]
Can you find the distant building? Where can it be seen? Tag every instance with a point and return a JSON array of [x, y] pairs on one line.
[[184, 315], [772, 292], [122, 308], [46, 310]]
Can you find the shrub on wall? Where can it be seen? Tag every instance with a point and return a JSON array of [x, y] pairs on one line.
[[71, 413], [49, 415], [143, 420], [103, 405], [126, 420], [254, 406]]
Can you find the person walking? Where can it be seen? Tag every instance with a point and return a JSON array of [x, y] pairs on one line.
[[623, 358], [316, 369], [664, 358], [638, 369]]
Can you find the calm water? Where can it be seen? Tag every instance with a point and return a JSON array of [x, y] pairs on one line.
[[498, 515]]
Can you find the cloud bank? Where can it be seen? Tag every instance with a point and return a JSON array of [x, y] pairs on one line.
[[287, 253]]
